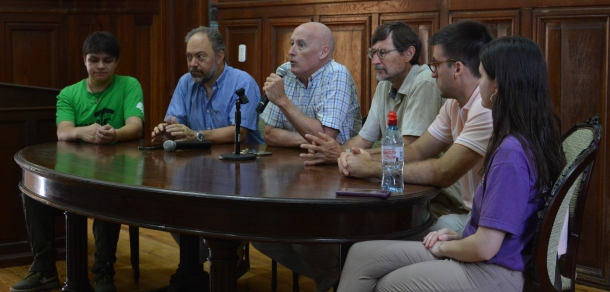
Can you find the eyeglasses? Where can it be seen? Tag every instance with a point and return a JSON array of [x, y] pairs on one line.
[[434, 65], [380, 52]]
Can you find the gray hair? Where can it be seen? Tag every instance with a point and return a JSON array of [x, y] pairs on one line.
[[213, 35]]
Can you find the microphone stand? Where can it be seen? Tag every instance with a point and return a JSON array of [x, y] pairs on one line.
[[237, 156]]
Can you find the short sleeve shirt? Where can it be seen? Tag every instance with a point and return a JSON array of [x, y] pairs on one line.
[[192, 107], [506, 200], [330, 98], [416, 104], [469, 126], [121, 100]]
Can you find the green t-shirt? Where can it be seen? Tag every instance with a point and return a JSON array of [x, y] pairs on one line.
[[121, 100]]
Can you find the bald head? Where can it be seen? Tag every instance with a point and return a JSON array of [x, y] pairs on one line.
[[320, 34], [312, 46]]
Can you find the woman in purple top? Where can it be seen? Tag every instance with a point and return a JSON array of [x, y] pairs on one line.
[[523, 159]]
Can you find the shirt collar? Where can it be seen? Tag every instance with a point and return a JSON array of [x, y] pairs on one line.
[[222, 77], [406, 84], [404, 87], [315, 76], [474, 96]]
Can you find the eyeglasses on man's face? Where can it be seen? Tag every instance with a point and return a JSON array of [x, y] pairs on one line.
[[381, 53], [434, 65]]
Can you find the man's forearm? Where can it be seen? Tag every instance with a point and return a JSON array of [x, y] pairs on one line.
[[67, 134], [420, 172], [128, 132], [225, 135], [358, 141], [283, 138], [302, 123]]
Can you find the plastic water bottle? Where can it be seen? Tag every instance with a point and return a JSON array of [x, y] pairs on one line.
[[392, 157]]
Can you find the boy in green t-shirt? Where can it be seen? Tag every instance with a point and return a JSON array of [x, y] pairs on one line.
[[103, 108]]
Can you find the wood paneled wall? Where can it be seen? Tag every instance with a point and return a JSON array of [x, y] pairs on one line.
[[27, 117], [41, 46], [573, 35]]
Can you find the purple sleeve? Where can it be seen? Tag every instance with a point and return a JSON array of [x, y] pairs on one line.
[[509, 189]]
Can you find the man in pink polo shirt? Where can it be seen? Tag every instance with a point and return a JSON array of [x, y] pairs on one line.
[[462, 128]]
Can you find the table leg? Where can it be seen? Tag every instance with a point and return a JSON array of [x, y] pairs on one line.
[[190, 275], [223, 264], [77, 278]]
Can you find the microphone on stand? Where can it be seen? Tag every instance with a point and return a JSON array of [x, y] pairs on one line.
[[281, 71], [170, 145], [237, 156]]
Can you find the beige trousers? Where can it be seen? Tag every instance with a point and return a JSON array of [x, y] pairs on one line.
[[391, 265]]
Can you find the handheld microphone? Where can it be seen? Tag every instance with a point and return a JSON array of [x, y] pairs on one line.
[[170, 145], [281, 71]]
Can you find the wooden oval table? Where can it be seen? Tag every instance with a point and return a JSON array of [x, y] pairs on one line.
[[272, 198]]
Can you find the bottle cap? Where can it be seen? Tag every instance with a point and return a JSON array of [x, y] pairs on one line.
[[392, 119]]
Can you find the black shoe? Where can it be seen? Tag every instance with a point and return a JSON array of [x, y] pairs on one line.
[[104, 283], [36, 281]]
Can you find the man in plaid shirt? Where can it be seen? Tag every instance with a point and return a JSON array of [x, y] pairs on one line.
[[317, 95]]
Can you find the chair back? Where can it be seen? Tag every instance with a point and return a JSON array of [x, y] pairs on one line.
[[569, 193]]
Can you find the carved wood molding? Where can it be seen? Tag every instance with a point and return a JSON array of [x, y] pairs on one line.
[[81, 6]]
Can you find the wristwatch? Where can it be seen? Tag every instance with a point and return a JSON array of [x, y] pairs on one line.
[[200, 137]]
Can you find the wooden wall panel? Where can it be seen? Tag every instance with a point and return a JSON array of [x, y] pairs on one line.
[[499, 22], [26, 62], [352, 37], [19, 35], [248, 33], [577, 54], [183, 16], [27, 117]]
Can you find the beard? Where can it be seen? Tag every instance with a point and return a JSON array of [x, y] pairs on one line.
[[390, 76], [205, 77]]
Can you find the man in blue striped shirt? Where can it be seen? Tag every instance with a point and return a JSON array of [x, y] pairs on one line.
[[317, 95]]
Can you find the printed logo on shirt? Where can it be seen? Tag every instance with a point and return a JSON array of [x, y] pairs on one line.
[[140, 106], [103, 116]]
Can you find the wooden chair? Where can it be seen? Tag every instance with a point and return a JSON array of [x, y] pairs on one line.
[[569, 193]]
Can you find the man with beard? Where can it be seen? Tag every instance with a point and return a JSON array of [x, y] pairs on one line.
[[203, 105], [404, 87], [462, 128]]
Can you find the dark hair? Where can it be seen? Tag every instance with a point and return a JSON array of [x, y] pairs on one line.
[[213, 35], [403, 37], [523, 107], [462, 41], [102, 42]]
